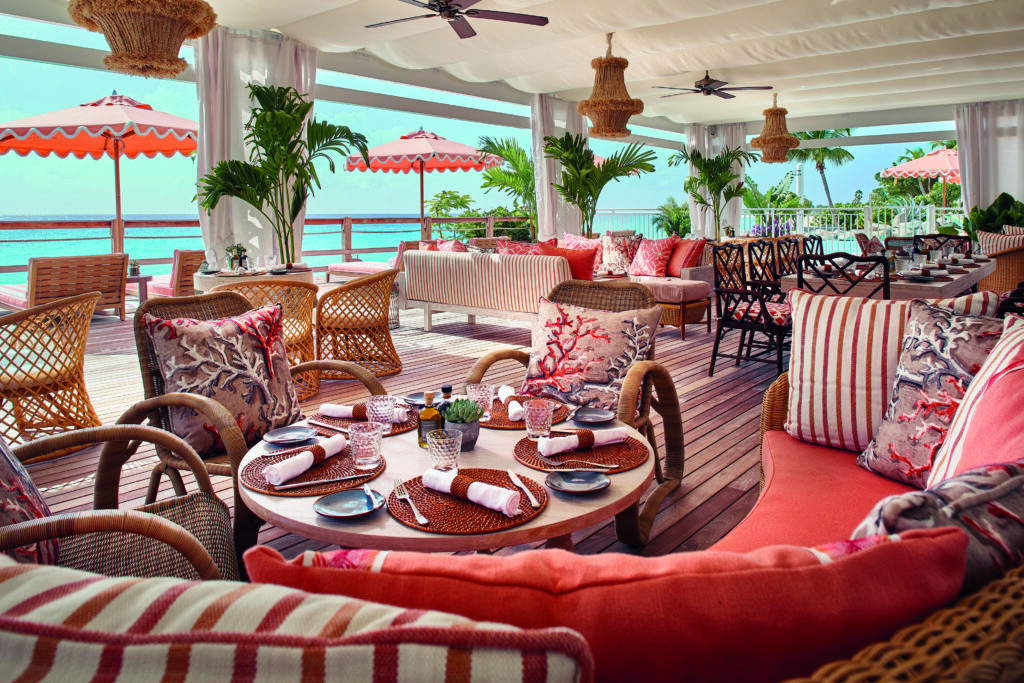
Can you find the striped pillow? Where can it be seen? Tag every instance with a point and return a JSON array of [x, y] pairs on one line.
[[63, 624], [843, 364], [994, 242], [1013, 230]]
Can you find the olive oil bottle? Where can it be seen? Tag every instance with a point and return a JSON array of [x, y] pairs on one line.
[[430, 419]]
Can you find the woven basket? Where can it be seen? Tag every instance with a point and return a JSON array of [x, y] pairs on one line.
[[775, 140], [609, 105]]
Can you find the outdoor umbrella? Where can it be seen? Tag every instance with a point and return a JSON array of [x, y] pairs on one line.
[[942, 163], [114, 126], [422, 152]]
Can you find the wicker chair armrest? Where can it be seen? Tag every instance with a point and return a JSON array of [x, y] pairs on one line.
[[775, 405], [480, 368], [115, 521], [371, 383]]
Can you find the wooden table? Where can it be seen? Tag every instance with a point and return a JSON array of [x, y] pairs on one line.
[[143, 282], [905, 289], [204, 283], [563, 515]]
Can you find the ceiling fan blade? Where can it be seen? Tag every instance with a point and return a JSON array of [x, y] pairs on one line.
[[417, 3], [751, 87], [531, 19], [399, 21], [462, 27], [672, 87], [717, 84], [685, 91], [723, 95], [465, 4]]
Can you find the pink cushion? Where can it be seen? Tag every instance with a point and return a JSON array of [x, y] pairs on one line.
[[512, 247], [673, 290], [581, 261], [20, 501], [652, 257], [780, 313], [706, 616], [425, 246], [15, 295], [811, 494], [160, 285], [685, 254], [451, 246], [1013, 230], [359, 267], [579, 242], [993, 242]]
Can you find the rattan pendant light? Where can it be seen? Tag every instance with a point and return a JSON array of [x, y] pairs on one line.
[[775, 140], [145, 36], [609, 106]]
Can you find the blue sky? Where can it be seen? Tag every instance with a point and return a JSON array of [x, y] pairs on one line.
[[54, 186]]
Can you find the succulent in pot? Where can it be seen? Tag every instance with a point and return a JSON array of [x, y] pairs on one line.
[[464, 415]]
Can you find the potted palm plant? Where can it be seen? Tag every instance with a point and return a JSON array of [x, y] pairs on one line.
[[583, 179], [280, 175], [716, 182]]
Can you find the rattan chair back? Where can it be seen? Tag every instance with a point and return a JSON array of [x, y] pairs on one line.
[[298, 301], [42, 369], [186, 264], [604, 295], [352, 325], [961, 244], [839, 273]]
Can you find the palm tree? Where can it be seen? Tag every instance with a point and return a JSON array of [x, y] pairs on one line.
[[821, 156], [583, 180], [716, 183], [673, 218], [944, 144], [515, 177]]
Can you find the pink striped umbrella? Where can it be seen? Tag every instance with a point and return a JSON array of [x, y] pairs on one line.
[[941, 163]]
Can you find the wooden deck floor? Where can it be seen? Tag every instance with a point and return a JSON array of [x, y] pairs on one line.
[[720, 414]]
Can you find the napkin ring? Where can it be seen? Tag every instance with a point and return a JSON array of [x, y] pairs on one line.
[[585, 438], [460, 486]]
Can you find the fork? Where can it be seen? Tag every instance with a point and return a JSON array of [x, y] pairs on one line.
[[557, 463], [403, 494]]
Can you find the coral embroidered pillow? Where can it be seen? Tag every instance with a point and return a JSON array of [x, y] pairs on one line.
[[768, 615], [652, 257], [581, 261], [942, 352], [581, 356], [617, 253], [238, 362], [20, 502], [579, 242], [685, 254], [451, 246], [843, 363]]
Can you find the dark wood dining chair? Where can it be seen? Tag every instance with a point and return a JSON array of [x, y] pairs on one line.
[[839, 273], [961, 244], [787, 251], [814, 244]]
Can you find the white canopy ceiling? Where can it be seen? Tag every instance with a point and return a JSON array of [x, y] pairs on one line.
[[824, 57]]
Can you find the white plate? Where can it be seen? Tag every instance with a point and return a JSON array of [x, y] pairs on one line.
[[287, 435], [348, 503], [578, 481]]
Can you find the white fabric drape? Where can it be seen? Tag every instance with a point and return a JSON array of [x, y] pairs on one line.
[[697, 138], [226, 62], [730, 136], [990, 143], [542, 123]]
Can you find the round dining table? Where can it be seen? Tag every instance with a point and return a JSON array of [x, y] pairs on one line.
[[205, 282]]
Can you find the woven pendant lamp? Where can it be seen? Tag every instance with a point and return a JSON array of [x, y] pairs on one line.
[[775, 140], [609, 106], [145, 36]]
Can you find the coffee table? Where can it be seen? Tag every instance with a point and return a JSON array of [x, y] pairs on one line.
[[563, 515]]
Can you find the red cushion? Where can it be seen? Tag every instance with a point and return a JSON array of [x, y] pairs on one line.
[[428, 247], [685, 254], [705, 616], [451, 245], [581, 261], [811, 494], [579, 242]]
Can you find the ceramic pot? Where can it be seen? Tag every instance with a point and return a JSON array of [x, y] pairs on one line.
[[470, 433]]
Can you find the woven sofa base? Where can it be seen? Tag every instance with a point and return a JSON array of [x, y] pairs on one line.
[[689, 312]]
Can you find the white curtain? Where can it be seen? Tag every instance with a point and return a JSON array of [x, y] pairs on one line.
[[226, 62], [542, 123], [697, 138], [730, 136], [990, 143]]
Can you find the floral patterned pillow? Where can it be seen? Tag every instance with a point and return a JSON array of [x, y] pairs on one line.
[[941, 353], [581, 356], [512, 247], [238, 362], [20, 502], [451, 245], [652, 257], [578, 242], [618, 253]]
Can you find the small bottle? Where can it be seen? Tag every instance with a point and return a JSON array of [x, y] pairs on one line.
[[446, 397], [430, 418]]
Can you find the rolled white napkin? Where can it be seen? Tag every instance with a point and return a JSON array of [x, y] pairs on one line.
[[560, 444], [357, 412], [515, 408], [300, 264], [280, 472], [505, 501]]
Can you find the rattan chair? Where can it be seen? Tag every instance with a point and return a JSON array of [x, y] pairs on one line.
[[787, 251], [42, 369], [185, 536], [1008, 273], [154, 408], [839, 273], [298, 299], [352, 325], [647, 386]]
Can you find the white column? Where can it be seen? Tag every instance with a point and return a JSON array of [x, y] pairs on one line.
[[697, 138]]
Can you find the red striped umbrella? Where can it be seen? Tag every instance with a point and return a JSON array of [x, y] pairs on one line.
[[941, 163]]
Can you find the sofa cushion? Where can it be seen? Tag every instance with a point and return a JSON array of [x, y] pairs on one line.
[[428, 246], [778, 311], [791, 507], [1013, 230], [987, 503], [15, 295], [942, 351], [360, 267], [578, 242], [843, 363], [451, 246], [652, 257], [239, 362], [704, 616], [993, 242], [988, 427], [62, 624], [673, 290], [513, 247], [617, 253], [581, 356], [20, 501], [581, 261], [685, 254]]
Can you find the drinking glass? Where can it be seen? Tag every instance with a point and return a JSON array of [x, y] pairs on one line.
[[364, 441], [538, 418], [444, 446], [381, 409], [270, 261], [483, 396]]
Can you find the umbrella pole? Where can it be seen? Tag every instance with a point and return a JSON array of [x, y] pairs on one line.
[[943, 193], [117, 230], [423, 221]]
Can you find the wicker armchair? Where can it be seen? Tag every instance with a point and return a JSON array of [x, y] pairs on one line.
[[155, 406], [1009, 271], [352, 325], [42, 369], [298, 300], [648, 385], [187, 536]]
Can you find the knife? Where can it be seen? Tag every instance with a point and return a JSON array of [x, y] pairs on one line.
[[317, 423], [519, 482], [285, 487]]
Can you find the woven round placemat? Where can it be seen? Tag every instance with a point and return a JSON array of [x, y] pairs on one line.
[[341, 465], [410, 423], [451, 515], [499, 414], [628, 455]]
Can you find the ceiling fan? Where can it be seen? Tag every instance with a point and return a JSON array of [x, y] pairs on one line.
[[711, 86], [455, 14]]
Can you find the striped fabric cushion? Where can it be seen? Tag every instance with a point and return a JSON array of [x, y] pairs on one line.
[[843, 363], [523, 280], [63, 624], [450, 278], [994, 242], [1013, 229]]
